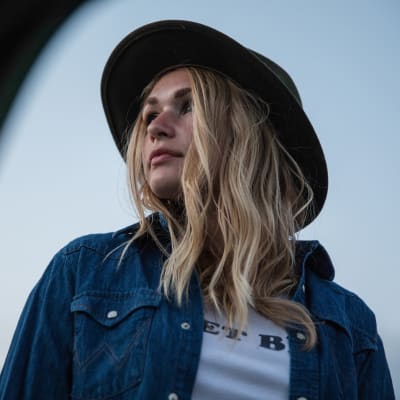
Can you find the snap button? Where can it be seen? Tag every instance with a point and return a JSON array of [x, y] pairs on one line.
[[112, 314], [173, 396], [301, 336], [185, 326], [302, 398]]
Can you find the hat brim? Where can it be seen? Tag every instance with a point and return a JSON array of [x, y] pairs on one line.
[[158, 46]]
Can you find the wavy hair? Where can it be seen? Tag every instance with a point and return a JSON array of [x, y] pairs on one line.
[[242, 200]]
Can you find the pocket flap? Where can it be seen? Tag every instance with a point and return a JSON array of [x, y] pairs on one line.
[[110, 308]]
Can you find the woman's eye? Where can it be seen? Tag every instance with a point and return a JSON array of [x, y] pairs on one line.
[[187, 107], [149, 117]]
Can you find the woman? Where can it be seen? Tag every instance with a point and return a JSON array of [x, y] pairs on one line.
[[211, 295]]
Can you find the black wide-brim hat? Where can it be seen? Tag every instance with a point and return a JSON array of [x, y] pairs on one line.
[[162, 45]]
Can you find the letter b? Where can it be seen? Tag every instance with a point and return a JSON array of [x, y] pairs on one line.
[[272, 342]]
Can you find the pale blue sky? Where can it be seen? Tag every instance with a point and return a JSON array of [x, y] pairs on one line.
[[61, 177]]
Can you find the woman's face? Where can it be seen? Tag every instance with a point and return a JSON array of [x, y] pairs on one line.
[[167, 112]]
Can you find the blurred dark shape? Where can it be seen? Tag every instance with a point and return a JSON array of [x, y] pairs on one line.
[[25, 28]]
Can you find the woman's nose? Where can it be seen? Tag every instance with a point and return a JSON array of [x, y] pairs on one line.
[[161, 126]]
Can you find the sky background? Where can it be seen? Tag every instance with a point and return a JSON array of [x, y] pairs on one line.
[[61, 175]]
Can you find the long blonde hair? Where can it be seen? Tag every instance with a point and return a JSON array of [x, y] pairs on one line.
[[241, 189]]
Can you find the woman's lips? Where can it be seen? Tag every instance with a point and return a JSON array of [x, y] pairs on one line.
[[162, 155], [158, 159]]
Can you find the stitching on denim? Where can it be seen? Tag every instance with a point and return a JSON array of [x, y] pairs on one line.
[[101, 252], [104, 347], [144, 293]]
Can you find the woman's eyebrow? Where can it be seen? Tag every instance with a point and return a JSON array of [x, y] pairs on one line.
[[152, 100], [182, 92]]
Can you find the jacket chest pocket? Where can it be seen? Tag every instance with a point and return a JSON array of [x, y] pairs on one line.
[[111, 333]]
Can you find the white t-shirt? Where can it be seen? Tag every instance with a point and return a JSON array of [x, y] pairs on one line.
[[254, 366]]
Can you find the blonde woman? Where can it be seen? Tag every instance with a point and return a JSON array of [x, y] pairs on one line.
[[210, 296]]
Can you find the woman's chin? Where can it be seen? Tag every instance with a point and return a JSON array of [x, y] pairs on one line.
[[165, 191]]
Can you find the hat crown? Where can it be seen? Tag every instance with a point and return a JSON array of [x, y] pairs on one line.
[[281, 74]]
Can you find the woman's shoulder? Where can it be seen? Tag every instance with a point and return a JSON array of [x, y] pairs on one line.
[[101, 243], [346, 307], [112, 244], [105, 260], [329, 301]]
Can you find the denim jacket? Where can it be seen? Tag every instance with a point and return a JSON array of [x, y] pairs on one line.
[[97, 328]]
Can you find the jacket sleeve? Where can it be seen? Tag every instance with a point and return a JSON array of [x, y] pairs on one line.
[[374, 381], [38, 364]]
